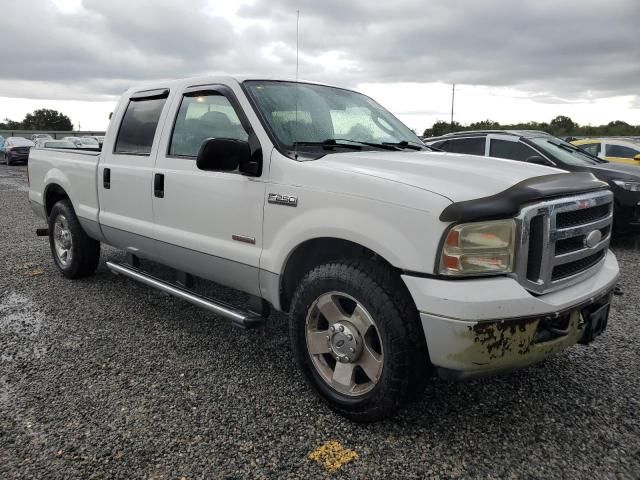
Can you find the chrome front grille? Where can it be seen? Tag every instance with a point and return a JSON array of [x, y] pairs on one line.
[[563, 241]]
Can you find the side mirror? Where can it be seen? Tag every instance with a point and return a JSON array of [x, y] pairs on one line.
[[637, 157], [537, 160], [225, 155]]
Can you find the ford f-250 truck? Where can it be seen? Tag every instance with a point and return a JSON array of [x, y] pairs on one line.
[[391, 259]]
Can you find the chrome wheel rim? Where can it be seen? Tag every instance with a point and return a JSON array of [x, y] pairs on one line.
[[62, 242], [344, 344]]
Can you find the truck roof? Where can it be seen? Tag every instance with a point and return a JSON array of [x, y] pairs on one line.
[[212, 79], [479, 133]]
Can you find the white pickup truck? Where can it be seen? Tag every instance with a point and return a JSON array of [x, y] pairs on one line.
[[391, 259]]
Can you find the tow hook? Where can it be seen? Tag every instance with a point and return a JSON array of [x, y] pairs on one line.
[[617, 291]]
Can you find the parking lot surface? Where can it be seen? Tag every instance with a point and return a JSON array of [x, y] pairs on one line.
[[103, 377]]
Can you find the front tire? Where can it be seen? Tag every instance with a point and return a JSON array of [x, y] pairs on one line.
[[355, 335], [74, 252]]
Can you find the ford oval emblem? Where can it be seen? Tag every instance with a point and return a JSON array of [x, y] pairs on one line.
[[593, 238]]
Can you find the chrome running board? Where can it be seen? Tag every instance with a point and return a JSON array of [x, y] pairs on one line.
[[240, 318]]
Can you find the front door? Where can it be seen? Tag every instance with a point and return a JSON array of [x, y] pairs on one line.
[[209, 223]]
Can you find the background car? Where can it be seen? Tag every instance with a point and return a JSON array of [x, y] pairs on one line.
[[16, 149], [541, 148], [83, 142], [1, 144], [612, 149], [37, 136], [44, 143]]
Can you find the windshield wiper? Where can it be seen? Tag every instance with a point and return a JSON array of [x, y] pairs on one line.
[[573, 149], [331, 143], [406, 144]]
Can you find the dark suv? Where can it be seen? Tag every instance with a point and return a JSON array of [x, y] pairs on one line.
[[539, 147]]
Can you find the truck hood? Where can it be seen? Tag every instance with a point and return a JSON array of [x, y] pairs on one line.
[[616, 171], [454, 176]]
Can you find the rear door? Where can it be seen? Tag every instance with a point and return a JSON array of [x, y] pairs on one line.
[[125, 173]]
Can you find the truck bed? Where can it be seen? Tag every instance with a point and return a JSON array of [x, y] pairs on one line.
[[73, 169]]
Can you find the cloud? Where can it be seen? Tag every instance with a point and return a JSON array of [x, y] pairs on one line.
[[558, 51]]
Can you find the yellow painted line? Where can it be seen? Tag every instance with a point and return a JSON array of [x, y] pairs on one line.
[[332, 455]]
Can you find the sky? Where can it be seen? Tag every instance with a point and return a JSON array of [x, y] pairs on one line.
[[528, 60]]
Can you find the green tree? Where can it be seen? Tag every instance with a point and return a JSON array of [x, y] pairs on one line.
[[9, 124], [440, 128], [484, 125], [46, 119], [562, 125]]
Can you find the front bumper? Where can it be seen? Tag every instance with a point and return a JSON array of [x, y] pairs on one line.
[[476, 327]]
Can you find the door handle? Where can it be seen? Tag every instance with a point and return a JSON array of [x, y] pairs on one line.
[[106, 178], [158, 185]]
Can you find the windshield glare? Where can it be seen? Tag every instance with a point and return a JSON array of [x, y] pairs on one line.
[[565, 152], [325, 113]]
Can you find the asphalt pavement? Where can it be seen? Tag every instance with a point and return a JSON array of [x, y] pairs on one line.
[[106, 378]]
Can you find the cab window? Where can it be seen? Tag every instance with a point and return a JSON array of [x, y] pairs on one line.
[[471, 146], [203, 116], [592, 148], [511, 150], [621, 151], [138, 126]]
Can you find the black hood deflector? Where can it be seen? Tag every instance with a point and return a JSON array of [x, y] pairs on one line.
[[508, 202]]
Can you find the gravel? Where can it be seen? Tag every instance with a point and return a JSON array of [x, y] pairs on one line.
[[103, 378]]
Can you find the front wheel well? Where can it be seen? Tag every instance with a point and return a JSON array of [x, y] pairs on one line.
[[316, 252], [53, 194]]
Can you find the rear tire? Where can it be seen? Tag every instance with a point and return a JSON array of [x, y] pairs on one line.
[[75, 254], [375, 357]]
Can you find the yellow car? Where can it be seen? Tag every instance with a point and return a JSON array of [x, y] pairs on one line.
[[612, 149]]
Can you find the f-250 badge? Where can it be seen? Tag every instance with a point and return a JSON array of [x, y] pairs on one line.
[[278, 199]]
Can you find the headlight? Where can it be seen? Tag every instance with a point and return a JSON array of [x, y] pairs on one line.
[[481, 248], [631, 186]]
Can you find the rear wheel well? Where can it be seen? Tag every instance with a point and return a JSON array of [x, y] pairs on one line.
[[53, 195], [316, 252]]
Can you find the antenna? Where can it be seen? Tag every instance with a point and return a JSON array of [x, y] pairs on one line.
[[453, 96], [295, 144]]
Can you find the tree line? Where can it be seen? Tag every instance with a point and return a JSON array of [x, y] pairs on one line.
[[561, 126], [41, 119]]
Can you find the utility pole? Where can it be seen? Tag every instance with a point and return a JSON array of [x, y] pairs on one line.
[[453, 96]]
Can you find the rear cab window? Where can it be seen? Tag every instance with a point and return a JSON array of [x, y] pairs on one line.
[[140, 122]]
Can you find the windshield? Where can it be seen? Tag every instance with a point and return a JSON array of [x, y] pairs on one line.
[[327, 116], [565, 152], [59, 144], [19, 142]]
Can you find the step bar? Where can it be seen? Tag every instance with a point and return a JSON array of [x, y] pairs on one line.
[[240, 318]]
